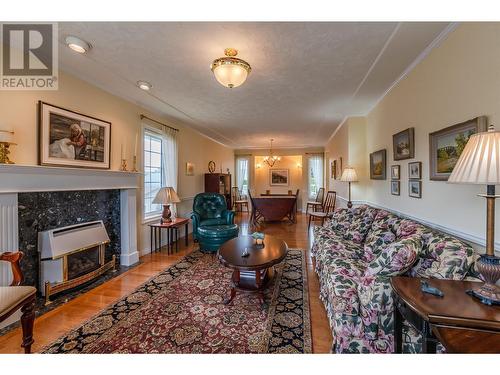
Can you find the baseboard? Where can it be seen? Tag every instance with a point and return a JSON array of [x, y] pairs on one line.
[[129, 259], [467, 237]]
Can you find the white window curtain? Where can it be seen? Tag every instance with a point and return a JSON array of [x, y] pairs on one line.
[[170, 161], [315, 174], [242, 174]]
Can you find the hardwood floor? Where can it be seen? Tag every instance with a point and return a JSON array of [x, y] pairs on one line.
[[55, 323]]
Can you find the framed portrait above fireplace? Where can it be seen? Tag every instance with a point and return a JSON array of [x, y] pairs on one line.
[[70, 139]]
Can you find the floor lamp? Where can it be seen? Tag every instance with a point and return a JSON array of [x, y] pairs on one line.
[[479, 164], [349, 175]]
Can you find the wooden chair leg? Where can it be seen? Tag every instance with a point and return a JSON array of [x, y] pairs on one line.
[[309, 225], [27, 322]]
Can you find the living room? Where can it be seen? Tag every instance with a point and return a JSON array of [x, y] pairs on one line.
[[296, 184]]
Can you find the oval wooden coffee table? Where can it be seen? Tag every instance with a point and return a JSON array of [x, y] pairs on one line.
[[251, 273]]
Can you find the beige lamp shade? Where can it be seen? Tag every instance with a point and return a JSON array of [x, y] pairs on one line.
[[479, 162], [349, 175], [166, 195]]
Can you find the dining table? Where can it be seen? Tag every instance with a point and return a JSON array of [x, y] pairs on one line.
[[274, 208]]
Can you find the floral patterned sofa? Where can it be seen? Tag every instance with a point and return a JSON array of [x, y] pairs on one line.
[[357, 252]]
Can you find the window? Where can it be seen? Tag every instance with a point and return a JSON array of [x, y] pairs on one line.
[[153, 171], [242, 174], [315, 175], [160, 166]]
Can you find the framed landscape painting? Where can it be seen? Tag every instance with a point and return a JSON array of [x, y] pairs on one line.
[[403, 144], [395, 187], [378, 165], [446, 145], [71, 139], [415, 188], [278, 177]]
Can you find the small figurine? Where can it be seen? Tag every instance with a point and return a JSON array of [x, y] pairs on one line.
[[258, 236], [426, 288], [245, 253]]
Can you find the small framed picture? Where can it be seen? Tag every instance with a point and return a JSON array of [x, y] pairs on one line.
[[278, 177], [415, 188], [415, 170], [395, 172], [403, 144], [395, 187]]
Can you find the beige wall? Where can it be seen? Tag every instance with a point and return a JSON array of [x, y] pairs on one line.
[[290, 157], [295, 179], [349, 142], [457, 81], [18, 111]]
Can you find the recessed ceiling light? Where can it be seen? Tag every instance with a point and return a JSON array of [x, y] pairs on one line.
[[143, 85], [77, 44]]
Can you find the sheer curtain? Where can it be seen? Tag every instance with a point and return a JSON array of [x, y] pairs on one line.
[[170, 161], [242, 174], [315, 174]]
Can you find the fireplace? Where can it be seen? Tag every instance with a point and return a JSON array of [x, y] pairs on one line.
[[71, 256], [83, 262]]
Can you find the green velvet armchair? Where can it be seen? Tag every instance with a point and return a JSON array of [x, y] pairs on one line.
[[213, 223]]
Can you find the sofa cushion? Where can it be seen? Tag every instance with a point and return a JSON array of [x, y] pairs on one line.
[[407, 228], [396, 259], [340, 221], [443, 257], [361, 222]]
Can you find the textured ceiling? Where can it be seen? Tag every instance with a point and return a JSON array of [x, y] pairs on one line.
[[306, 77]]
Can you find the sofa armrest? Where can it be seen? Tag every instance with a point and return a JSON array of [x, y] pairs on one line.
[[229, 216]]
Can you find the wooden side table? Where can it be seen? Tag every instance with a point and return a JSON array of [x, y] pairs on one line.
[[460, 322], [172, 234]]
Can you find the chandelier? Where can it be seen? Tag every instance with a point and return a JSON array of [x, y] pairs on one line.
[[230, 71], [271, 159]]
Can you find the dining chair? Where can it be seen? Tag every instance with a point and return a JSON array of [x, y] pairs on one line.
[[15, 297], [327, 209], [255, 215], [318, 202], [239, 200]]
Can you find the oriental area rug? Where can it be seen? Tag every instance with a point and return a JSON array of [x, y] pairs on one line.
[[181, 310]]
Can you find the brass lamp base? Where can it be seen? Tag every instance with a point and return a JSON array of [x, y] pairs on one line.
[[489, 267]]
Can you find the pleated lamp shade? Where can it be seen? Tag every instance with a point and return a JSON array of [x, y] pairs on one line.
[[479, 162], [349, 175], [166, 195]]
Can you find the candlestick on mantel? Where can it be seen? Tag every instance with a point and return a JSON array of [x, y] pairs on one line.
[[135, 148]]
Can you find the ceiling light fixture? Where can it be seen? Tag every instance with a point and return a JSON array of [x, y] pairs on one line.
[[143, 85], [77, 44], [271, 159], [230, 71]]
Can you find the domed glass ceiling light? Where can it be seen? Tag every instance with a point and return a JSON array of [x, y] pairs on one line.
[[271, 159], [230, 71]]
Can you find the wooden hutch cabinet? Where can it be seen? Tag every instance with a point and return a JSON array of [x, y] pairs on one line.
[[219, 183]]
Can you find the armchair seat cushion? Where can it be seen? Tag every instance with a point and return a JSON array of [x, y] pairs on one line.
[[10, 296], [215, 221], [218, 231]]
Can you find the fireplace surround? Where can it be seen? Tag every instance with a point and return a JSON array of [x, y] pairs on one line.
[[36, 198]]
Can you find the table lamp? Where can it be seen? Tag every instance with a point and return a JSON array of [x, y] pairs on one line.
[[166, 196], [349, 175], [479, 164]]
